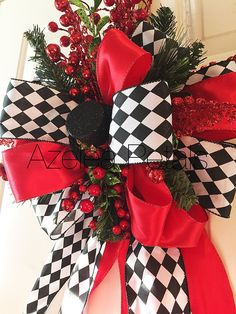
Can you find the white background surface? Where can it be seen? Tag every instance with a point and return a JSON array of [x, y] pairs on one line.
[[23, 245]]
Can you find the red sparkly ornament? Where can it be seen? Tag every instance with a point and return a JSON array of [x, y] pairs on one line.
[[61, 5], [94, 190], [69, 70], [116, 230], [74, 195], [83, 188], [74, 92], [98, 173], [125, 225], [86, 206], [64, 41], [117, 188], [67, 205], [109, 3], [93, 225], [75, 38], [121, 213], [65, 20], [53, 27], [86, 74]]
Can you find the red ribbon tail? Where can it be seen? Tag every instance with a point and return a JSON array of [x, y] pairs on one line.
[[208, 285]]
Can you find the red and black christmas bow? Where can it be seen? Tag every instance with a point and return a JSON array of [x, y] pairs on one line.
[[152, 278]]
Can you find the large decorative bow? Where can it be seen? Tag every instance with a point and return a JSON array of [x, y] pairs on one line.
[[141, 130]]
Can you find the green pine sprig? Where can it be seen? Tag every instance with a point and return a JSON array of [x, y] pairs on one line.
[[48, 72]]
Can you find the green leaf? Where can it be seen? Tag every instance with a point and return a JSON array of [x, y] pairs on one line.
[[112, 193], [79, 4], [104, 20], [115, 169], [111, 179], [96, 4], [84, 18]]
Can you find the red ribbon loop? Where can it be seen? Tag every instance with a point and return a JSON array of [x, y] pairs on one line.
[[37, 168], [156, 219], [120, 64]]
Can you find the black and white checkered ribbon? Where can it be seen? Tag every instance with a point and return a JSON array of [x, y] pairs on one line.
[[211, 168], [141, 127], [35, 112]]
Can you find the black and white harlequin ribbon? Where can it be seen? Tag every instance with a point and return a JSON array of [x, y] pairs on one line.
[[213, 70], [211, 168], [141, 126], [156, 281], [33, 111]]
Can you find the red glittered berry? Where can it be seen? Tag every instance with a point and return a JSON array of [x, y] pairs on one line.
[[95, 17], [53, 27], [68, 205], [100, 211], [93, 225], [74, 195], [125, 225], [116, 230], [86, 206], [53, 52], [140, 14], [85, 89], [75, 38], [65, 20], [109, 3], [83, 188], [126, 235], [86, 74], [98, 173], [135, 2], [94, 190], [118, 204], [69, 70], [121, 213], [74, 91], [125, 171], [127, 216], [61, 5], [117, 188], [64, 41]]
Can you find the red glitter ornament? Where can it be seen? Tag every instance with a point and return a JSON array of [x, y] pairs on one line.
[[94, 190], [86, 206], [98, 173], [67, 205], [116, 230], [53, 27]]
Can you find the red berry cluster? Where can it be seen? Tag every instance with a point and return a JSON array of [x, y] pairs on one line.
[[80, 61], [155, 172]]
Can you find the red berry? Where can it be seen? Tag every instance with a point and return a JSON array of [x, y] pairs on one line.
[[74, 91], [114, 16], [117, 188], [93, 225], [62, 64], [86, 74], [74, 58], [64, 41], [69, 70], [95, 17], [3, 172], [61, 5], [86, 206], [65, 20], [109, 3], [126, 235], [67, 205], [80, 181], [94, 190], [135, 1], [53, 27], [118, 204], [125, 171], [121, 213], [116, 230], [82, 188], [74, 195], [85, 89], [53, 52], [100, 211], [125, 225], [127, 216], [140, 14], [75, 38], [98, 173]]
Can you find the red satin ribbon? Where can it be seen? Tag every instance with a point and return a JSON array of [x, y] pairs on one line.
[[118, 60], [38, 168]]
